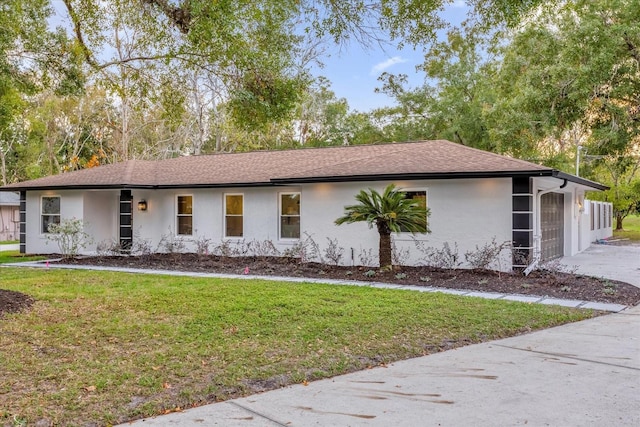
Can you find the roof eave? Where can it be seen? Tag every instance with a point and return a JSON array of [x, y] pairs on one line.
[[578, 180], [135, 186], [413, 176]]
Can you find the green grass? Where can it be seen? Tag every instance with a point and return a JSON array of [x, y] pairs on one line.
[[105, 347], [631, 225], [16, 256], [9, 242]]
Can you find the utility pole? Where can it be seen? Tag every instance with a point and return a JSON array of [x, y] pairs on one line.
[[578, 149]]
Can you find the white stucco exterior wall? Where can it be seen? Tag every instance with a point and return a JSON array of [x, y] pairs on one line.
[[71, 206], [260, 216], [100, 217], [466, 212]]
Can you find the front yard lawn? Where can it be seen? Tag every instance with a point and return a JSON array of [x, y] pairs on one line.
[[631, 225], [104, 348], [15, 256]]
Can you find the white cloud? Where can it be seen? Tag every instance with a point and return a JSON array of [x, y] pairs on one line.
[[381, 66]]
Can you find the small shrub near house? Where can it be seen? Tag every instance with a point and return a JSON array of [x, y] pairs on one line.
[[70, 236]]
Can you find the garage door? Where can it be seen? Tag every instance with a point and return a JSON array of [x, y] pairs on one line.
[[552, 224]]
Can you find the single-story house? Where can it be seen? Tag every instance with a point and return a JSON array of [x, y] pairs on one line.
[[285, 197], [9, 218]]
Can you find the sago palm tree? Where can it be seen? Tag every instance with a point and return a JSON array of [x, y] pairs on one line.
[[390, 212]]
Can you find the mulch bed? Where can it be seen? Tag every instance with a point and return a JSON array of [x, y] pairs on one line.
[[557, 284], [550, 283], [13, 302]]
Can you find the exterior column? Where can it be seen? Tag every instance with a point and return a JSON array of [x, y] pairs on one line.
[[126, 220], [522, 221], [23, 222]]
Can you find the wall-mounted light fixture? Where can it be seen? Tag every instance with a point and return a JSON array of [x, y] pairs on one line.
[[580, 204], [142, 205]]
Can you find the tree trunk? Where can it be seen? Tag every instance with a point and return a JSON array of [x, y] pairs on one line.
[[619, 219], [3, 168], [384, 250]]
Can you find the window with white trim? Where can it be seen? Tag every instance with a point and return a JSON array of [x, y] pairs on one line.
[[50, 212], [233, 215], [419, 196], [289, 215], [184, 215]]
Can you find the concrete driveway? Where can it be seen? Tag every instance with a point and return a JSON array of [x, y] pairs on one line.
[[609, 261], [582, 374], [10, 247]]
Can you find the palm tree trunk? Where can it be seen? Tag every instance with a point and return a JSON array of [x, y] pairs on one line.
[[384, 250]]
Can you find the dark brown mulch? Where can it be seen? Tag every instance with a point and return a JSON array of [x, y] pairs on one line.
[[13, 302], [551, 283]]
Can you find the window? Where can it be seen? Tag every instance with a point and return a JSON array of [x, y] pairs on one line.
[[184, 225], [290, 215], [421, 198], [233, 215], [50, 212]]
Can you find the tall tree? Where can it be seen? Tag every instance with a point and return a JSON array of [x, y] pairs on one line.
[[250, 45], [321, 116], [453, 102], [570, 77], [32, 58]]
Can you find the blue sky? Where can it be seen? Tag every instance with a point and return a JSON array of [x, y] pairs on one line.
[[354, 71]]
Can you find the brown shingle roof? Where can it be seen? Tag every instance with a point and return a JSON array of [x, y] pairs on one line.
[[413, 160]]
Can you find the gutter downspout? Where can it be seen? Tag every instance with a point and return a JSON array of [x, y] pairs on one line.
[[537, 250]]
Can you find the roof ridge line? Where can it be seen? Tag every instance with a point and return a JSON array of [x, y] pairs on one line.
[[496, 154], [369, 157]]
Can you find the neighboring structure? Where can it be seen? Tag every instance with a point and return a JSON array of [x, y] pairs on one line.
[[9, 218], [283, 196]]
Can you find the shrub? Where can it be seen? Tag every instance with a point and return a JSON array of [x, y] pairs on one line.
[[333, 252], [306, 250], [70, 236], [440, 258], [141, 247], [202, 245], [366, 257], [109, 247], [170, 243], [487, 256], [399, 256]]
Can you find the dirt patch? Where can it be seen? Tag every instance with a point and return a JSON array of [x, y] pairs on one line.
[[13, 302], [551, 283]]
